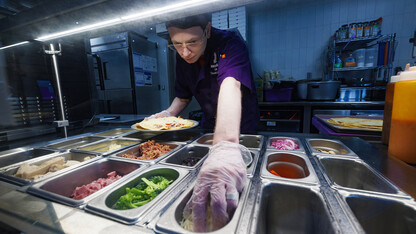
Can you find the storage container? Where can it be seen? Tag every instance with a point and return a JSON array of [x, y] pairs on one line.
[[360, 57], [278, 95], [370, 57]]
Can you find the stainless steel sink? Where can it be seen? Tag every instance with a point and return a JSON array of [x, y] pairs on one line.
[[104, 205], [60, 188], [285, 208], [381, 215], [328, 147], [11, 157], [356, 175]]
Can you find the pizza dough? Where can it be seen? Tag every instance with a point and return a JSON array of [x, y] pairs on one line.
[[165, 123], [357, 122]]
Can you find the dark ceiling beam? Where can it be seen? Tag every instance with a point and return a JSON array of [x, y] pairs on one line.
[[6, 11], [44, 11]]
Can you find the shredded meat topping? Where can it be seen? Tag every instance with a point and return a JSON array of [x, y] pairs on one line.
[[149, 151]]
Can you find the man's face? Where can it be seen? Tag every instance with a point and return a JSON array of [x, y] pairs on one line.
[[190, 43]]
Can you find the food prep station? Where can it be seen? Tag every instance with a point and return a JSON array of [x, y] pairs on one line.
[[317, 191]]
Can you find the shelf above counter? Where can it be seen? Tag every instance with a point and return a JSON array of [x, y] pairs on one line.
[[341, 69], [359, 39]]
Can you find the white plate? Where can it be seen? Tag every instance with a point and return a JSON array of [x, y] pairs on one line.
[[195, 123]]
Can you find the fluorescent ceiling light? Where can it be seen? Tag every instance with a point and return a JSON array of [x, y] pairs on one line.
[[79, 30], [167, 9], [17, 44], [141, 15]]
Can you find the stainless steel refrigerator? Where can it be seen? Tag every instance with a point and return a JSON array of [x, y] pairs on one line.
[[125, 74]]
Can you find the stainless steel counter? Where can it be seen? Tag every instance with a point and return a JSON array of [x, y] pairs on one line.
[[32, 214]]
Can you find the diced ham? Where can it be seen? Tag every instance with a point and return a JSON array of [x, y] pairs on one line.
[[88, 189], [111, 174]]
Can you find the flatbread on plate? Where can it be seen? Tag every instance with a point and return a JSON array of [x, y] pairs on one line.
[[165, 123], [357, 122]]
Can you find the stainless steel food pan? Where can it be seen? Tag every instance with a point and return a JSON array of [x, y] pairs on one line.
[[297, 140], [286, 208], [190, 152], [103, 205], [185, 136], [294, 167], [252, 167], [8, 174], [170, 222], [136, 151], [60, 188], [141, 135], [108, 146], [355, 175], [249, 141], [252, 141], [324, 146], [11, 157], [115, 132], [380, 215], [74, 143]]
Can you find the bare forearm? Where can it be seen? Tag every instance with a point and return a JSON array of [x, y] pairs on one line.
[[177, 106], [227, 127]]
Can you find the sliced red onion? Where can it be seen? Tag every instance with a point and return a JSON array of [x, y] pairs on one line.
[[284, 144]]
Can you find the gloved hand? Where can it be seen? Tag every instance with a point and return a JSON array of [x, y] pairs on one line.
[[220, 181], [161, 114]]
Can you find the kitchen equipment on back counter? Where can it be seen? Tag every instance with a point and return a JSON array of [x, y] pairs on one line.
[[281, 90], [125, 74], [323, 90], [302, 88]]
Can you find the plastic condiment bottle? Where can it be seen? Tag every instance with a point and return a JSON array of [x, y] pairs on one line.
[[403, 120], [388, 106]]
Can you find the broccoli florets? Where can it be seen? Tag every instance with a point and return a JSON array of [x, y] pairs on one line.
[[143, 193]]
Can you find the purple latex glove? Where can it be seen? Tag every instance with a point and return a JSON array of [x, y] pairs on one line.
[[220, 181], [161, 114]]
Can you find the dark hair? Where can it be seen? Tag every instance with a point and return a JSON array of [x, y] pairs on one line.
[[191, 21]]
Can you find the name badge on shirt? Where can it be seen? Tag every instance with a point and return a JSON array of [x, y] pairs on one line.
[[214, 64]]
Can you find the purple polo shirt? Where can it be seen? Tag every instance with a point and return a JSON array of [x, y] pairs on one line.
[[226, 55]]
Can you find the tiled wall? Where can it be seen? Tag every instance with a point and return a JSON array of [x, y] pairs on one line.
[[293, 37]]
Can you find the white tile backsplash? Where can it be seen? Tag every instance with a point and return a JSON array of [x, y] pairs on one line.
[[299, 33]]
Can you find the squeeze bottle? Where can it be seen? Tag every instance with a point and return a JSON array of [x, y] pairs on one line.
[[388, 105], [402, 140]]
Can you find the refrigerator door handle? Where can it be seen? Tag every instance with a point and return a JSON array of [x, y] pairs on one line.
[[105, 70], [100, 70], [109, 106]]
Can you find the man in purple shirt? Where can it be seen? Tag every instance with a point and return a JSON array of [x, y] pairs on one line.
[[214, 67]]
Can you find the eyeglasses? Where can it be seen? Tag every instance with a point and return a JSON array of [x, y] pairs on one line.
[[191, 44]]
